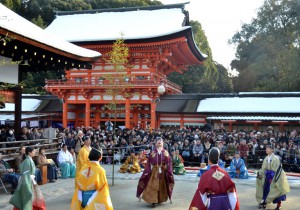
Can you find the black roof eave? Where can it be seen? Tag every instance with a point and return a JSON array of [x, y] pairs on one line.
[[37, 63], [38, 45]]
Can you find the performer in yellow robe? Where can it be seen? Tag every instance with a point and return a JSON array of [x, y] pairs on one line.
[[92, 192], [131, 164], [83, 155]]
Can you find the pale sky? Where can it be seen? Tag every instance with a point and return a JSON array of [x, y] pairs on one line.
[[220, 19]]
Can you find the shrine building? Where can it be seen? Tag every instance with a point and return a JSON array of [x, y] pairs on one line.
[[160, 41]]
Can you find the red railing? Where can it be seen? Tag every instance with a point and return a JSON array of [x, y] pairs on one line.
[[91, 83]]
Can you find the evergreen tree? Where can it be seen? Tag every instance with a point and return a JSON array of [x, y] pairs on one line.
[[38, 21], [208, 77], [14, 5], [8, 3], [35, 81], [267, 55]]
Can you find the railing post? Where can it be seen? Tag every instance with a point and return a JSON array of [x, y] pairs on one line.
[[113, 169]]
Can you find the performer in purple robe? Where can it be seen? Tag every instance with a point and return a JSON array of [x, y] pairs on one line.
[[157, 181]]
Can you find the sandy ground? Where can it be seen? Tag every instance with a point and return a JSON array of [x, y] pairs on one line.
[[59, 194]]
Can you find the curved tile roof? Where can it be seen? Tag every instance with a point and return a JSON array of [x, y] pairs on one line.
[[12, 22]]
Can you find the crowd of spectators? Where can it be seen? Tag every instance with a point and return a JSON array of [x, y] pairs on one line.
[[8, 135], [192, 144]]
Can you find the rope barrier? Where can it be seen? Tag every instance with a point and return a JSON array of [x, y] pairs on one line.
[[252, 162]]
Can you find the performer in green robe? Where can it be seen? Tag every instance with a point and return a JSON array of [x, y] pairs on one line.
[[271, 183], [177, 163], [23, 198]]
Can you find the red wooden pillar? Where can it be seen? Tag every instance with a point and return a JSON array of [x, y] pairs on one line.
[[256, 127], [65, 114], [281, 127], [87, 112], [127, 113], [230, 126], [97, 118], [158, 121], [181, 121], [135, 116], [153, 114]]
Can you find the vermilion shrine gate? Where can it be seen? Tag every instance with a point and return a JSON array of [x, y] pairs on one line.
[[160, 42]]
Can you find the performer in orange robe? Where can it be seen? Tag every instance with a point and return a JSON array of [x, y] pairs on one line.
[[92, 191], [215, 190], [131, 164], [83, 154]]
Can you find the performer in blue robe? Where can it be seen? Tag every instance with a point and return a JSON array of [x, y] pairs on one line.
[[237, 168], [221, 163]]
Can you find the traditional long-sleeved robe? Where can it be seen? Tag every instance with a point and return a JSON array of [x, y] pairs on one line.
[[82, 158], [238, 169], [23, 198], [157, 181], [142, 160], [178, 166], [131, 165], [215, 191], [92, 178], [65, 162], [271, 172]]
